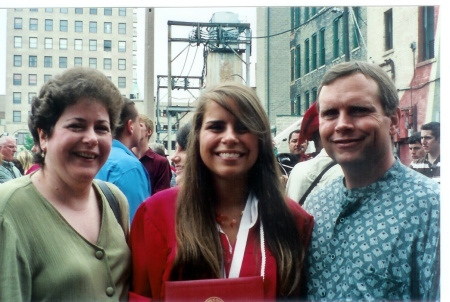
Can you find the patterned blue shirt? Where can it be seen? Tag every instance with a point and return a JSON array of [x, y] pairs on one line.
[[379, 242]]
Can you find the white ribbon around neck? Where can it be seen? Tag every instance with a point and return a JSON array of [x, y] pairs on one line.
[[248, 220]]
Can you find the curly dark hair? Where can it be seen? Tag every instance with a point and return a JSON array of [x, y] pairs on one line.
[[65, 90]]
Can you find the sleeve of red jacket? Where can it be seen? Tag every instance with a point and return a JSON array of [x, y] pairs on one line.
[[152, 241], [140, 253]]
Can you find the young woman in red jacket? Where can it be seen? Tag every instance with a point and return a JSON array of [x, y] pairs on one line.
[[229, 218]]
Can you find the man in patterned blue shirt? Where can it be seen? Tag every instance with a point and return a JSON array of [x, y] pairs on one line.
[[376, 230]]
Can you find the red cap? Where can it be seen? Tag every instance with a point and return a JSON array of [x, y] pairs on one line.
[[310, 124]]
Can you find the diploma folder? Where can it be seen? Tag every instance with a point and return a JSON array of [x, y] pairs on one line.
[[216, 290]]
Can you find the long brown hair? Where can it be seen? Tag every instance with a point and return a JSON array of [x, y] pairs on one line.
[[199, 252]]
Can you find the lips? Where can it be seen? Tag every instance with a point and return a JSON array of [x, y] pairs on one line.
[[346, 142], [179, 169], [86, 155], [229, 154]]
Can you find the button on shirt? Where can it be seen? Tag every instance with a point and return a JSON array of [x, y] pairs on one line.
[[379, 242]]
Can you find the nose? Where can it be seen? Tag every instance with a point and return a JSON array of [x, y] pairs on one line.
[[344, 123], [230, 136], [90, 137], [175, 158]]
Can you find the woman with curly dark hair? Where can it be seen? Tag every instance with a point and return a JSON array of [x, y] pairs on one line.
[[60, 240], [229, 217]]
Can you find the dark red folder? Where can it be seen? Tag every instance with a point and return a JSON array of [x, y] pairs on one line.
[[216, 290]]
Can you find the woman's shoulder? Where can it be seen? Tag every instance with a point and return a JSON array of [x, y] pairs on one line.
[[15, 190], [161, 203]]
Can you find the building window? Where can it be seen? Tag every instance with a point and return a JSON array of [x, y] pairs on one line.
[[33, 9], [122, 46], [49, 10], [314, 94], [306, 101], [356, 26], [78, 61], [63, 43], [427, 35], [78, 26], [47, 77], [122, 82], [109, 77], [92, 27], [313, 10], [32, 42], [63, 25], [17, 23], [32, 79], [388, 34], [322, 47], [17, 42], [336, 38], [33, 24], [93, 11], [306, 56], [17, 61], [62, 62], [107, 63], [295, 15], [48, 43], [122, 64], [17, 79], [78, 44], [306, 12], [108, 11], [17, 97], [63, 10], [107, 45], [107, 27], [48, 24], [298, 61], [31, 95], [93, 63], [17, 118], [122, 28], [314, 52], [48, 61], [32, 61], [295, 105], [92, 45], [122, 11], [292, 64], [78, 10]]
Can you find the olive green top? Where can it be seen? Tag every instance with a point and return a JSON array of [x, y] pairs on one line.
[[43, 258]]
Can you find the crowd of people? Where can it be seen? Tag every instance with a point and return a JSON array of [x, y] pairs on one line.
[[96, 214]]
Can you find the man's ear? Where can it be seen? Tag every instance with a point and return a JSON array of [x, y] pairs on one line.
[[130, 127], [149, 133], [395, 122]]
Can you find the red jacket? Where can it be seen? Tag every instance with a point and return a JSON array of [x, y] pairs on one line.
[[153, 246]]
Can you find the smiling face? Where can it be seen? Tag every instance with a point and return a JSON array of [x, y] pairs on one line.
[[353, 126], [179, 159], [80, 142], [227, 147]]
